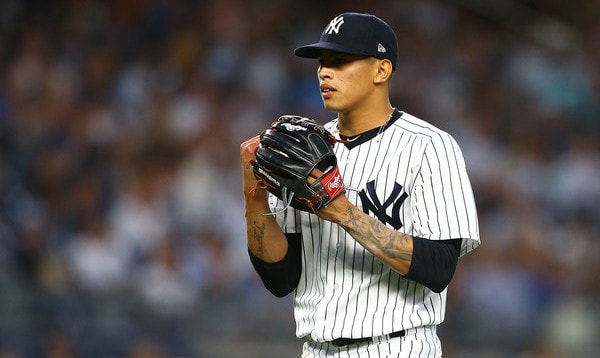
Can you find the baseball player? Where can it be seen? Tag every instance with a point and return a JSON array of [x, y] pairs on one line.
[[370, 269]]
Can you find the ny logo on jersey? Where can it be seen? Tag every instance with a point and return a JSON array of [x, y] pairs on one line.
[[334, 25], [371, 203]]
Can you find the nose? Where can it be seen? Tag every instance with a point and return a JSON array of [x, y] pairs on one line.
[[324, 72]]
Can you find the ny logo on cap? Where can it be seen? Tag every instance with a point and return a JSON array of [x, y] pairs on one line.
[[334, 25]]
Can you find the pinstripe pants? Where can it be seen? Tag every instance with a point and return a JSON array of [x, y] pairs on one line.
[[421, 342]]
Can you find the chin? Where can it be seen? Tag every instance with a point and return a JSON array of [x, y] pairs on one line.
[[331, 107]]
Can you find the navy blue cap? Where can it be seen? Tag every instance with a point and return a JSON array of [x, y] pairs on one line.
[[357, 34]]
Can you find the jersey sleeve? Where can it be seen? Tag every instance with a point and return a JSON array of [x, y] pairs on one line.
[[443, 202]]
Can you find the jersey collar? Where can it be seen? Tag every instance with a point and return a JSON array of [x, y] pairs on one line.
[[358, 139]]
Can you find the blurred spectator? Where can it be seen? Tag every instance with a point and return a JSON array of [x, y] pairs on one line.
[[147, 349], [162, 285], [206, 262], [58, 345], [139, 218], [95, 260]]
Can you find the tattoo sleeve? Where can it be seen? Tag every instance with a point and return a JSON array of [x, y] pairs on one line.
[[392, 247]]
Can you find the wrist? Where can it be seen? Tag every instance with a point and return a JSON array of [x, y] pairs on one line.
[[256, 197], [336, 210]]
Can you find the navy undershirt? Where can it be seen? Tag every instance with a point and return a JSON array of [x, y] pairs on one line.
[[433, 264]]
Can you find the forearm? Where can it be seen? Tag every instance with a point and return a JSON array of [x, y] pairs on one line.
[[266, 240], [276, 260], [390, 246], [431, 263], [274, 256]]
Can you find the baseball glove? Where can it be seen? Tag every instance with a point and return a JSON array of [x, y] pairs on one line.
[[289, 151]]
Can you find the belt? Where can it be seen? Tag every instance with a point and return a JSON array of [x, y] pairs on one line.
[[342, 342]]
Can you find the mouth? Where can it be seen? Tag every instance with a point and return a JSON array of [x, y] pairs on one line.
[[327, 91]]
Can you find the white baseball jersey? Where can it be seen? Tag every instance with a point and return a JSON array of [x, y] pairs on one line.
[[412, 177]]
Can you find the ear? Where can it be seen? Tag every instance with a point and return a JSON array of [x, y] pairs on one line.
[[384, 70]]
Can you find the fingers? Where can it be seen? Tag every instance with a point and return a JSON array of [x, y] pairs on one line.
[[248, 150], [247, 157], [250, 145], [314, 176]]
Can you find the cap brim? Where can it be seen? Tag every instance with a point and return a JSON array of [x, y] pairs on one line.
[[314, 50]]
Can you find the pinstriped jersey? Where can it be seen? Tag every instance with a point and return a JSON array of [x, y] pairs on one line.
[[412, 177]]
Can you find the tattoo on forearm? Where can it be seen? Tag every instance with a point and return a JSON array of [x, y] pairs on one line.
[[353, 220], [258, 235], [376, 237]]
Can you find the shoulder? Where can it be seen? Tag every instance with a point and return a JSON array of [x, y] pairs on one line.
[[418, 126], [426, 131]]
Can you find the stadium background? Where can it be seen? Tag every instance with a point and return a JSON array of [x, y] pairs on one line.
[[121, 214]]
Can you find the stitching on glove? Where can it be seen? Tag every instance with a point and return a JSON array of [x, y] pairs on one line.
[[308, 203], [260, 184]]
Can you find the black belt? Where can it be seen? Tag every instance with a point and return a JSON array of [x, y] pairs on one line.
[[342, 342]]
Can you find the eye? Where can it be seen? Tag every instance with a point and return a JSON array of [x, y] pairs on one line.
[[334, 61]]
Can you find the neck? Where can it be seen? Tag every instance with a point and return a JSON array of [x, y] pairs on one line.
[[355, 122]]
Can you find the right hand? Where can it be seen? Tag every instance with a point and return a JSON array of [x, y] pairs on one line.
[[247, 157]]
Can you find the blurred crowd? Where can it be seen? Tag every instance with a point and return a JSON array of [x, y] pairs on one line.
[[121, 215]]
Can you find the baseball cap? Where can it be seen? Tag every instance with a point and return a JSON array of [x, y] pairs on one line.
[[357, 34]]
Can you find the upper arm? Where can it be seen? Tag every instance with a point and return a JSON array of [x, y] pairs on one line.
[[434, 262], [281, 278], [443, 198]]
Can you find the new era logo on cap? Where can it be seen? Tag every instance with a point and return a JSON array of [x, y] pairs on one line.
[[358, 34]]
